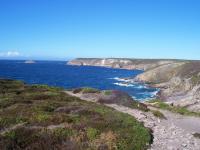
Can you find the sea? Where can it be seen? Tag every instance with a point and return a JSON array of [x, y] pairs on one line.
[[59, 74]]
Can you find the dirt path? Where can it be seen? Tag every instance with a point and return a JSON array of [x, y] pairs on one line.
[[188, 123], [175, 133]]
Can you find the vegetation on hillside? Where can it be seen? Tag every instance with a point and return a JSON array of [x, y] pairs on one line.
[[158, 114], [112, 97], [176, 109], [43, 117]]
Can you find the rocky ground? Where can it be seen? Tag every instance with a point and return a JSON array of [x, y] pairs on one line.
[[173, 133]]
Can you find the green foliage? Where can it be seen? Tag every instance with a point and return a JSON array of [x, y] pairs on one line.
[[90, 90], [49, 88], [138, 105], [92, 133], [107, 92], [42, 117], [158, 114], [63, 132], [154, 101], [48, 107], [175, 109], [11, 120], [195, 79], [77, 90], [5, 102], [11, 134]]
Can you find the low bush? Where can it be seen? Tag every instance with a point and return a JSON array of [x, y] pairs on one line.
[[107, 92], [197, 135], [90, 90], [175, 109], [158, 114], [92, 133]]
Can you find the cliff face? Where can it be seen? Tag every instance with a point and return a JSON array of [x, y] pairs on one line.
[[178, 80], [141, 64], [179, 83]]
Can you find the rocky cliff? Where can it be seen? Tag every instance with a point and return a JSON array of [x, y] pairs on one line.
[[141, 64], [179, 83], [179, 80]]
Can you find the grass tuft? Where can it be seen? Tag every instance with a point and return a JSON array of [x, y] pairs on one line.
[[158, 114], [90, 90], [175, 109]]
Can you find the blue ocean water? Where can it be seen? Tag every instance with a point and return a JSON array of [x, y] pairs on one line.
[[57, 73]]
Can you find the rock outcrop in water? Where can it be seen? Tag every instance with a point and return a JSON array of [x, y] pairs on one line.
[[179, 80], [29, 62]]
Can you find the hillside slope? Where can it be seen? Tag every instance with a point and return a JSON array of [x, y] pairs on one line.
[[179, 80], [43, 117], [179, 83]]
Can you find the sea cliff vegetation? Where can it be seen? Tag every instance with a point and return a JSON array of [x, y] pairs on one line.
[[43, 117], [176, 109]]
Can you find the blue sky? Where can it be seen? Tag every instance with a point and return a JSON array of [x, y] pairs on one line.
[[60, 29]]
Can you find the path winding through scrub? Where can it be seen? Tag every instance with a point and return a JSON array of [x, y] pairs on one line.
[[174, 133]]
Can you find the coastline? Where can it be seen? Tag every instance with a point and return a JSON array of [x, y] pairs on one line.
[[170, 76]]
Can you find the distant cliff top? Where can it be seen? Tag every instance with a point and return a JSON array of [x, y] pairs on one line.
[[124, 63]]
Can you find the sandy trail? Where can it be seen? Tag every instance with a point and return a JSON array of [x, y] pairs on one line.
[[174, 133]]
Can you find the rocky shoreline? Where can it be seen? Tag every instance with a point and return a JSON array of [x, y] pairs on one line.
[[178, 80]]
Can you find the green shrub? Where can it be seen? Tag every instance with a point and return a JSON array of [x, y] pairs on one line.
[[140, 106], [63, 132], [78, 90], [11, 120], [154, 101], [42, 117], [195, 79], [175, 109], [11, 134], [92, 133], [107, 92], [197, 135], [5, 102], [90, 90], [158, 114]]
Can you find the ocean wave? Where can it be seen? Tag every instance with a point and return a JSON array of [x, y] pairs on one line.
[[145, 96], [123, 84], [141, 87], [121, 79]]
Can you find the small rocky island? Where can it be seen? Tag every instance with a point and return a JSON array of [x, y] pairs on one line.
[[29, 62]]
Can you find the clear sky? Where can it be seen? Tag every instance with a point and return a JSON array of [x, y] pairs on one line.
[[60, 29]]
